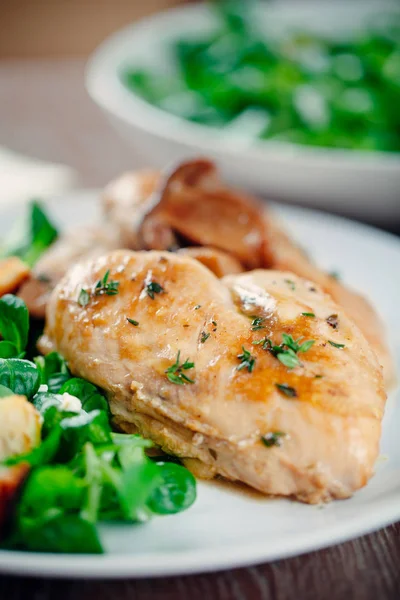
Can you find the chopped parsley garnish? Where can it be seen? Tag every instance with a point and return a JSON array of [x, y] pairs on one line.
[[273, 438], [308, 314], [175, 372], [247, 360], [257, 323], [295, 345], [83, 298], [286, 389], [318, 376], [197, 307], [152, 288], [333, 321], [214, 323], [291, 284], [335, 345], [289, 359], [287, 351], [104, 286], [204, 336], [132, 321]]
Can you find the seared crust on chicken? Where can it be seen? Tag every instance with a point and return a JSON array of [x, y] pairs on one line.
[[325, 412]]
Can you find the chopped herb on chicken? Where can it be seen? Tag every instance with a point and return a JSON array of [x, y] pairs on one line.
[[287, 351], [286, 389], [273, 438], [83, 298], [152, 288], [132, 322], [175, 372], [257, 323], [247, 361], [104, 286], [335, 345]]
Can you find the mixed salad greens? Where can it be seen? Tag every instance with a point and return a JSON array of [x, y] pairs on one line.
[[301, 87], [81, 473], [30, 237]]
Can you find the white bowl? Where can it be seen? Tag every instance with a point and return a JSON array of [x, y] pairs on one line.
[[365, 184]]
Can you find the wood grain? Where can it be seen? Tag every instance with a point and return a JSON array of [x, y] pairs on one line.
[[45, 112]]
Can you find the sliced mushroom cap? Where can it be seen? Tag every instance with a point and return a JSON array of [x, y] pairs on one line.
[[219, 262], [195, 205]]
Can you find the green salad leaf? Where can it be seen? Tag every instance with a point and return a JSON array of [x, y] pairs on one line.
[[53, 370], [31, 236], [5, 391], [64, 533], [176, 492], [48, 518], [20, 376], [90, 396], [81, 473], [248, 79], [8, 350], [14, 325], [76, 428]]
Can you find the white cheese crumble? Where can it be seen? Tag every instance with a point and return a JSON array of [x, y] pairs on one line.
[[253, 297], [69, 402], [146, 283]]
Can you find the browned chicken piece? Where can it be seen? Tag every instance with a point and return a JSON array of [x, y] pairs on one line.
[[311, 431], [286, 255], [77, 244], [186, 205], [219, 262]]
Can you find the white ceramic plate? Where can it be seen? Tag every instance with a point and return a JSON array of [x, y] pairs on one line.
[[347, 181], [227, 528]]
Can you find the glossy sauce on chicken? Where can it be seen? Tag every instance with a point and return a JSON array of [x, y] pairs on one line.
[[309, 430]]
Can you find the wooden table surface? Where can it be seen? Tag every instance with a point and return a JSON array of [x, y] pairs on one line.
[[45, 113]]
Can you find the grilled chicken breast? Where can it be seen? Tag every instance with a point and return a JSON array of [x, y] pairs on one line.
[[191, 377], [151, 211]]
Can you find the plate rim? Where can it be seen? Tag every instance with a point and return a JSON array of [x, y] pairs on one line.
[[116, 566], [75, 566]]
